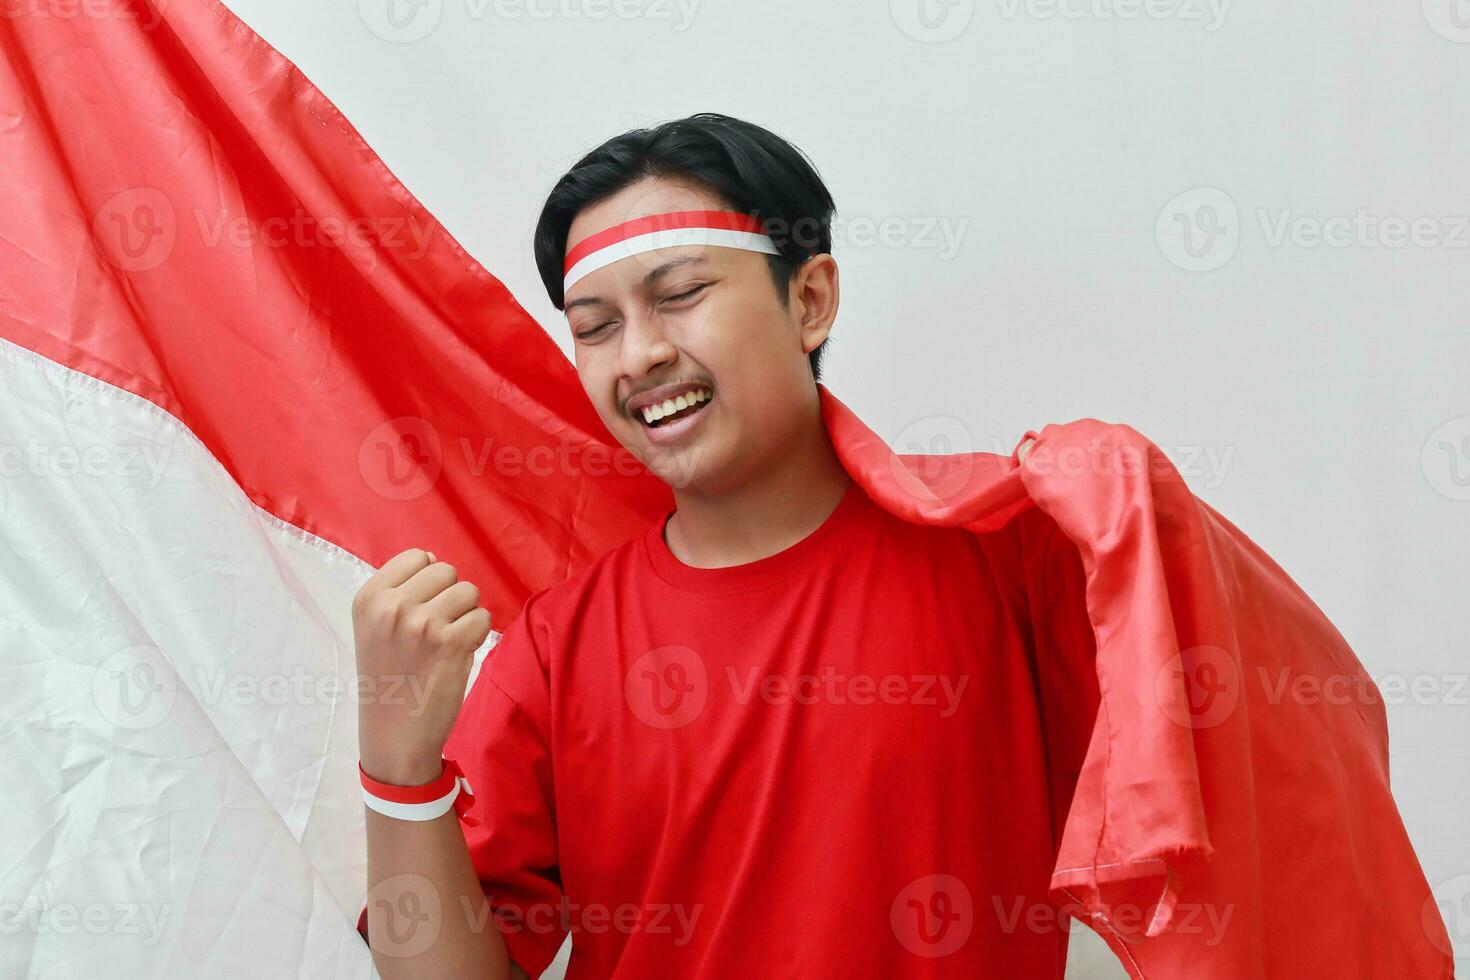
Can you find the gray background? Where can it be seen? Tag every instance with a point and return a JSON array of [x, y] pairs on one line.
[[1238, 228]]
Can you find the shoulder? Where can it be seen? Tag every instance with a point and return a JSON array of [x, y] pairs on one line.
[[521, 662], [566, 598], [911, 547]]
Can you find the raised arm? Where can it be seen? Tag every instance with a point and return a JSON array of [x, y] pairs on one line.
[[416, 628]]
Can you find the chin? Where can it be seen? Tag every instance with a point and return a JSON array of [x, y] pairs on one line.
[[697, 464], [682, 468]]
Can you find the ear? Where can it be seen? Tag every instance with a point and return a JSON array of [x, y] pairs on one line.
[[815, 295]]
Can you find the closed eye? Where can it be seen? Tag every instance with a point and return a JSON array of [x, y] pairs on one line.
[[686, 295], [586, 334]]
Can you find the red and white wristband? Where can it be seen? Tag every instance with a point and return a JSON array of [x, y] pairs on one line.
[[426, 802]]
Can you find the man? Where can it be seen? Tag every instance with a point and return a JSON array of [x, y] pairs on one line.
[[783, 732]]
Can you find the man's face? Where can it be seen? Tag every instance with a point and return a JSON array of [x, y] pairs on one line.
[[699, 315]]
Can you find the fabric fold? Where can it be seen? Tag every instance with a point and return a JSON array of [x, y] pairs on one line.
[[1209, 805]]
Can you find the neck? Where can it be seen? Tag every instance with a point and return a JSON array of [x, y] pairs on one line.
[[763, 516]]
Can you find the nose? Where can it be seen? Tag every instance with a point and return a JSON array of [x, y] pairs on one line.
[[645, 346]]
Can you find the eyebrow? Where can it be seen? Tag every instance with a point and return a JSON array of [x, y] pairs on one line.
[[648, 280]]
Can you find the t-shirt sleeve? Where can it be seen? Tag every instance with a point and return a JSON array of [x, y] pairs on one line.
[[502, 741], [1044, 579], [1066, 651]]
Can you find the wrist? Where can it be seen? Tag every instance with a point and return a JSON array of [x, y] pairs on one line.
[[420, 801], [403, 772]]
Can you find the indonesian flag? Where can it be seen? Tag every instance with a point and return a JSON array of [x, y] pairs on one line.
[[241, 366]]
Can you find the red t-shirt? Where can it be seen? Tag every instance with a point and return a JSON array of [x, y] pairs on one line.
[[824, 763]]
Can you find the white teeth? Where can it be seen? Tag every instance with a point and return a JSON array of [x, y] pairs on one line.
[[652, 413]]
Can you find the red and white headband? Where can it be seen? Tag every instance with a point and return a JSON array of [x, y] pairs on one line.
[[729, 229]]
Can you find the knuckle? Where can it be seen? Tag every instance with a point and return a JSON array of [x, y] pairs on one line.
[[480, 619], [418, 623], [371, 606]]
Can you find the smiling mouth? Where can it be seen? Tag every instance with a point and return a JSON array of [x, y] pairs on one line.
[[673, 409]]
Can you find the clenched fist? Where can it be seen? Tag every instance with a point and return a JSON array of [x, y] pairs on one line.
[[416, 627]]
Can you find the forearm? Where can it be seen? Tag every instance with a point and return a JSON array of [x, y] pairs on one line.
[[427, 913]]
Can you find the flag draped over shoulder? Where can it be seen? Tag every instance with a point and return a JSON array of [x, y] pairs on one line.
[[240, 366], [1219, 826]]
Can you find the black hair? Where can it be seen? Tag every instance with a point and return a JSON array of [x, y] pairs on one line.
[[753, 169]]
